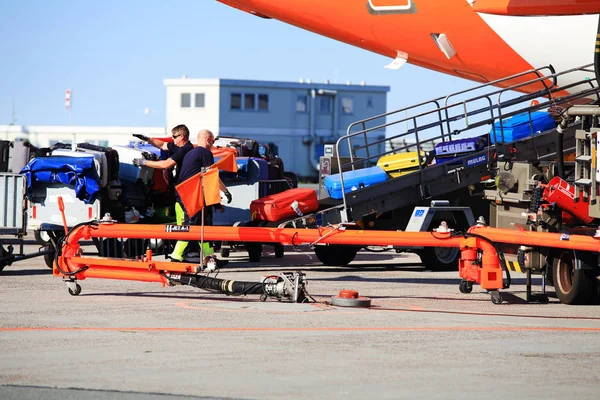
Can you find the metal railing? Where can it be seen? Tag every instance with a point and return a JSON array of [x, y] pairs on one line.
[[439, 122]]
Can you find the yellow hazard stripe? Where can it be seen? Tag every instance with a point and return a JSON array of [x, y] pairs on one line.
[[227, 286], [513, 266]]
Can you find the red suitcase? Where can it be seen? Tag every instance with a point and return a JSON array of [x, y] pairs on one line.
[[277, 207]]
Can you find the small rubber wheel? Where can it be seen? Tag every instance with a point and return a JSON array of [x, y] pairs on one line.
[[76, 291], [465, 286], [496, 297]]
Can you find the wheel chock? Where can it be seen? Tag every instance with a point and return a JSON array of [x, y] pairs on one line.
[[350, 298]]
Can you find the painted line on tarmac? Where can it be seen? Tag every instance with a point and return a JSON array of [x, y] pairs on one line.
[[383, 307], [313, 329]]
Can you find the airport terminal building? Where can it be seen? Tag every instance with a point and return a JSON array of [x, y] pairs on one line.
[[297, 117]]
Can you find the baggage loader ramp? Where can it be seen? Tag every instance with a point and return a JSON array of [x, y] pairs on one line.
[[471, 113]]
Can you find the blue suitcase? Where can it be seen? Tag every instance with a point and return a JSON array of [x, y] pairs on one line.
[[249, 168], [353, 180], [519, 126]]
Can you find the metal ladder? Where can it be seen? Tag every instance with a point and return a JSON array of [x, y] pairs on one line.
[[585, 165]]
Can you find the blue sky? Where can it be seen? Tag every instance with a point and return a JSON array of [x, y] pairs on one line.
[[114, 55]]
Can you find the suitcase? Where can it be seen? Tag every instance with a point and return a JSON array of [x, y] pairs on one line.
[[132, 173], [111, 158], [401, 164], [99, 162], [18, 156], [455, 148], [4, 155], [160, 177], [276, 170], [252, 169], [278, 206], [519, 126], [353, 180]]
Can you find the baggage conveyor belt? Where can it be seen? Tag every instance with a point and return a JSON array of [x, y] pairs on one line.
[[433, 181]]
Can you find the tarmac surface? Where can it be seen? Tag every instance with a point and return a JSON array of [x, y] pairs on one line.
[[420, 339]]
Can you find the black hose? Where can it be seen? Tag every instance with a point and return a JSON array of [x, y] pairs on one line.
[[226, 286], [59, 245]]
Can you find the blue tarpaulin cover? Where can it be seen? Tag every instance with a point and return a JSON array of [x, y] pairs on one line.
[[77, 172]]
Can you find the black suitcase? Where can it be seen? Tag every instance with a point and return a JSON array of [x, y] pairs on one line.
[[276, 170], [112, 158], [4, 155]]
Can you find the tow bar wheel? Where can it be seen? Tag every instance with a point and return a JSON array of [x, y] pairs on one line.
[[74, 288]]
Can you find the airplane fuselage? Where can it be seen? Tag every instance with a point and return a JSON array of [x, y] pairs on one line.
[[482, 41]]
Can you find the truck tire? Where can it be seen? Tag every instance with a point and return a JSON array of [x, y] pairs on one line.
[[440, 258], [254, 251], [572, 286], [336, 256], [279, 250]]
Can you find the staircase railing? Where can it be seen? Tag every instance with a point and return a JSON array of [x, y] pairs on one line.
[[443, 118]]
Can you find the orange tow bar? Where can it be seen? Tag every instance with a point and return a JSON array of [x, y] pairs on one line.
[[479, 260]]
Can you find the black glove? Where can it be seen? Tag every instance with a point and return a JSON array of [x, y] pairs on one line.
[[141, 137], [228, 195], [139, 162]]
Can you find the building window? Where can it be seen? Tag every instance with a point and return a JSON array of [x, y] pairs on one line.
[[199, 100], [324, 105], [347, 105], [301, 104], [370, 102], [236, 101], [186, 100], [249, 101], [263, 102]]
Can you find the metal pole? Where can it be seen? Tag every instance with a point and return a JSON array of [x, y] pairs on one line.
[[202, 222]]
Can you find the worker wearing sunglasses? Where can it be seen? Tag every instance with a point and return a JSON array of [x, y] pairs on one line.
[[177, 150]]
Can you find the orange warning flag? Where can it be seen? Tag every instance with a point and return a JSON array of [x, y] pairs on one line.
[[190, 192], [227, 163], [210, 183], [192, 195]]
